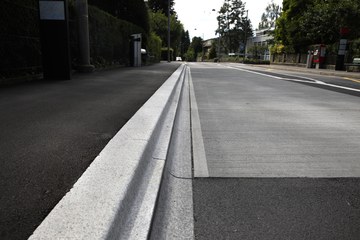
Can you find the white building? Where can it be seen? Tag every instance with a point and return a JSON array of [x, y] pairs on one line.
[[261, 38]]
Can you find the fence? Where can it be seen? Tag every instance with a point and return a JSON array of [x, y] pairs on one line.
[[299, 59]]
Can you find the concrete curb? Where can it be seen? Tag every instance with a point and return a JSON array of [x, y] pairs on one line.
[[116, 196], [174, 216]]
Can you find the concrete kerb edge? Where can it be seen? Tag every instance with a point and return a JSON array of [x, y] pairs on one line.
[[101, 197], [174, 216]]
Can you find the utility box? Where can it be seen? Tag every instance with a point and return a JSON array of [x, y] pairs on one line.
[[54, 37], [340, 59], [309, 59], [135, 50], [319, 56]]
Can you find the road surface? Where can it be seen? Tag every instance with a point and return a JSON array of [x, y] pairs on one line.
[[277, 154]]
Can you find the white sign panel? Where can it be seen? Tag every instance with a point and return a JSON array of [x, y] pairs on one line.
[[52, 10], [343, 41]]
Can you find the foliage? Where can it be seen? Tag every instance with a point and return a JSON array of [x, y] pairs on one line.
[[307, 22], [190, 55], [154, 47], [355, 48], [269, 17], [19, 39], [159, 25], [164, 54], [161, 6], [195, 49], [277, 48], [184, 43], [234, 25], [256, 61], [257, 51], [197, 45], [109, 38], [134, 11], [212, 53]]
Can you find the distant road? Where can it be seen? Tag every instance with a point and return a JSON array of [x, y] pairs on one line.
[[52, 131], [282, 154]]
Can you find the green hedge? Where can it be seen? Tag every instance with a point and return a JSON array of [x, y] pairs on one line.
[[164, 54], [19, 39], [154, 48], [109, 38]]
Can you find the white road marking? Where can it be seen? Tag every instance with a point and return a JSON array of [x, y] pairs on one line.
[[308, 80]]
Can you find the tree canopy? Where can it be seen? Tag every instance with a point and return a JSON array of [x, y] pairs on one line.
[[234, 25], [195, 48], [159, 25], [269, 17], [306, 22], [134, 11], [185, 42], [161, 6]]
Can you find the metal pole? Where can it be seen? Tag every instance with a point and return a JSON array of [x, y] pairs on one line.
[[84, 43], [245, 40], [219, 43], [168, 36]]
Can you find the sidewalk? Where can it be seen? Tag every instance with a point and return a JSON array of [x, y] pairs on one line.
[[52, 130], [327, 72]]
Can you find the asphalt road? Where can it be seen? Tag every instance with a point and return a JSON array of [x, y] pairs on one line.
[[281, 151], [52, 131]]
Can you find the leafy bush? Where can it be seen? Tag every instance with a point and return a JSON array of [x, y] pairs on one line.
[[19, 39], [164, 54], [154, 47], [256, 61], [109, 38]]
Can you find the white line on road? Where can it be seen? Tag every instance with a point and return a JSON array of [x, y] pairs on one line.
[[308, 80]]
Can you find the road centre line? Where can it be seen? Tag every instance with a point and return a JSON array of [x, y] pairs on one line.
[[309, 80]]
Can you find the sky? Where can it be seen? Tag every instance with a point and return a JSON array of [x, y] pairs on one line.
[[199, 19]]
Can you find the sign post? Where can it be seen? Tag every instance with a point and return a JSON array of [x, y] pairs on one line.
[[135, 50], [340, 59], [54, 35]]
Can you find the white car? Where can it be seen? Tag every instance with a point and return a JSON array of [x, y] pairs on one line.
[[178, 59]]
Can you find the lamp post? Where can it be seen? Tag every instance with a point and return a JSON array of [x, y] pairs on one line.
[[218, 31], [168, 33], [245, 40]]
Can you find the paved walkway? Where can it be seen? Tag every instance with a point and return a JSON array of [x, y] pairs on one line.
[[328, 72], [52, 130]]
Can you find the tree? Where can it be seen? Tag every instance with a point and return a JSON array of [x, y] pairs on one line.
[[159, 25], [323, 20], [257, 51], [133, 11], [234, 25], [308, 22], [162, 6], [185, 42], [269, 17], [212, 53], [195, 48]]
